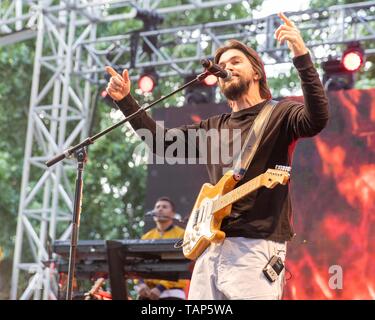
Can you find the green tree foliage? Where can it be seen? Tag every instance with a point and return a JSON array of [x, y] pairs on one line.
[[114, 180], [16, 70]]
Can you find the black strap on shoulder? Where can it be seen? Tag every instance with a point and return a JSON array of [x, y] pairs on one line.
[[252, 141]]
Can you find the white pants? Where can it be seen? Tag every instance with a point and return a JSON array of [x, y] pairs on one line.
[[233, 270]]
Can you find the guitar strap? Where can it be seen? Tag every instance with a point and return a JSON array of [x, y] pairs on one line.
[[252, 141]]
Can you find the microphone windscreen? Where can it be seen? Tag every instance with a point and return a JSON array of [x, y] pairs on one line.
[[205, 63]]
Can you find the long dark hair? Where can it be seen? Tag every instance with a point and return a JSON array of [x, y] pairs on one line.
[[255, 61]]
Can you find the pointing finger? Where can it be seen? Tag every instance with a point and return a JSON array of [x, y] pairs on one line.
[[283, 17], [111, 71]]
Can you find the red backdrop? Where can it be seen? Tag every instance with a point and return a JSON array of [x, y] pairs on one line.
[[333, 196]]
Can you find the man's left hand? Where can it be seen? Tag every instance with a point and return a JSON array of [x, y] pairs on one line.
[[289, 32]]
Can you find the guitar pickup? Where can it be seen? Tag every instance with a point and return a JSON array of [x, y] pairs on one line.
[[283, 168]]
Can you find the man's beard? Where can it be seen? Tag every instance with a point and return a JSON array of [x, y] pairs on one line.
[[233, 90]]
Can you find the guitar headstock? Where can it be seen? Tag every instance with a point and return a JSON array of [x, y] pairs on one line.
[[273, 177]]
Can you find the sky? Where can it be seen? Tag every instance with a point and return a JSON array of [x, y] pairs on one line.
[[274, 6]]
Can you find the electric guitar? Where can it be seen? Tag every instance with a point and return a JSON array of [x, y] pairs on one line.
[[214, 203]]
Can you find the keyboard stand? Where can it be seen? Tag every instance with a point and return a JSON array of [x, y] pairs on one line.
[[116, 270]]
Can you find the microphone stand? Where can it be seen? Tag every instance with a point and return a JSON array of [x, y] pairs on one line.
[[79, 152]]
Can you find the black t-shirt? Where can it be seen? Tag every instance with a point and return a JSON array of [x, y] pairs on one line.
[[265, 213]]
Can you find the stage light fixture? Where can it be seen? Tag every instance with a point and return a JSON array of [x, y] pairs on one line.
[[211, 80], [147, 81], [339, 73], [335, 76], [104, 93], [353, 57]]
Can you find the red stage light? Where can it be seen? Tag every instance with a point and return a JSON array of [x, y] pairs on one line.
[[211, 80], [196, 118], [353, 57], [352, 60], [146, 83], [104, 93]]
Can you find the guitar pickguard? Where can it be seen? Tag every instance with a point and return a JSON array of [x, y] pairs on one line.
[[199, 225]]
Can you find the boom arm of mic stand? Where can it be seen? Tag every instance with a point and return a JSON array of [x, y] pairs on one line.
[[90, 140]]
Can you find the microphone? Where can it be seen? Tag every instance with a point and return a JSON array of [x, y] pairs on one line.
[[150, 213], [216, 70], [153, 213]]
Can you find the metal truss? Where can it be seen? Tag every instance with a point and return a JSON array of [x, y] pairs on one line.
[[69, 64], [58, 117], [18, 17], [17, 21], [177, 51]]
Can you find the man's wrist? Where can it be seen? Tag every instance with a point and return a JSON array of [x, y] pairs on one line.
[[300, 52], [303, 61], [127, 104], [124, 99]]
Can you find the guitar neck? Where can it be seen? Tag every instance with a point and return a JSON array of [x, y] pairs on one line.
[[237, 193]]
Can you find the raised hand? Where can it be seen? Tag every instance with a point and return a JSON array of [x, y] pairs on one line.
[[289, 32], [118, 86]]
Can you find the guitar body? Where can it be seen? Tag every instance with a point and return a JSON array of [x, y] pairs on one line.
[[214, 203], [203, 226]]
